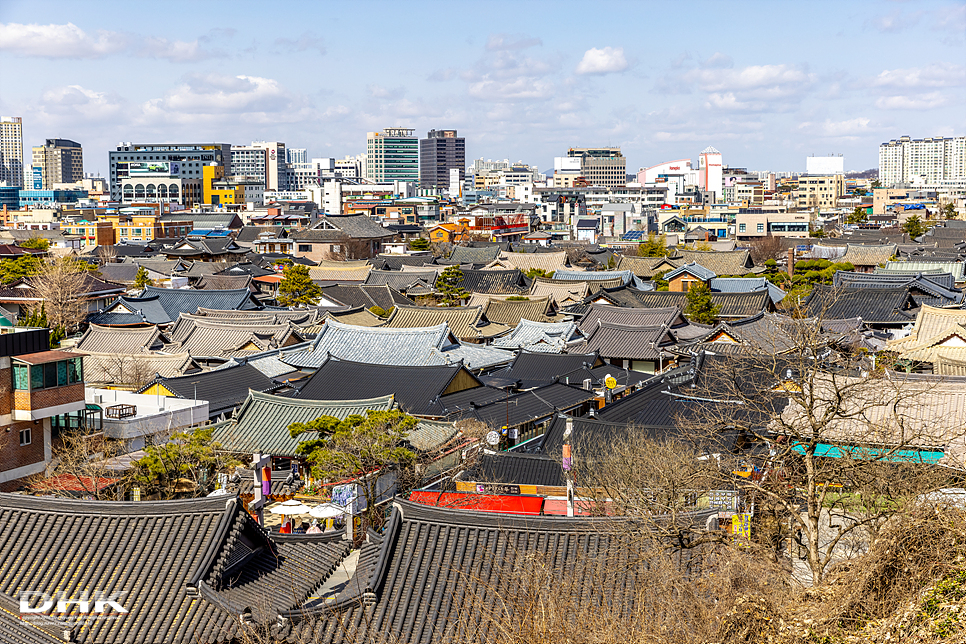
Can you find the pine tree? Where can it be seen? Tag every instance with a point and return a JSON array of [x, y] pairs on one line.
[[654, 246], [914, 227], [700, 308], [450, 286], [297, 287], [141, 279]]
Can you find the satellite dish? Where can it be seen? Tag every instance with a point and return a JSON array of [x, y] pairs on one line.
[[610, 381], [493, 438]]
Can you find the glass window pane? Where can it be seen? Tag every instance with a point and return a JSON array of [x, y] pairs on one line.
[[50, 374], [61, 373], [72, 370], [21, 376], [37, 376]]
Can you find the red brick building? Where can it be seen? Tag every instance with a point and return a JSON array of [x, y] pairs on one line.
[[35, 385]]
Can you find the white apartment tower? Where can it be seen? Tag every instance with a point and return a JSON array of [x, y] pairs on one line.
[[263, 161], [709, 172], [11, 151], [922, 161]]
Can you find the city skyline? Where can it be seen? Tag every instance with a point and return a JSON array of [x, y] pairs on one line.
[[659, 84]]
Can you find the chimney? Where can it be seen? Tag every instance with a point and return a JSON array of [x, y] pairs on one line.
[[791, 262]]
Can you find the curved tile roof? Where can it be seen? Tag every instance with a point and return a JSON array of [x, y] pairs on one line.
[[375, 345], [562, 294], [106, 339], [464, 321], [544, 337]]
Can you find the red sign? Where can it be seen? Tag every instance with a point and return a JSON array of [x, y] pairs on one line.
[[674, 167], [502, 503]]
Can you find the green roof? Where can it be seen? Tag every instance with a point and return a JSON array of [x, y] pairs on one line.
[[261, 424], [926, 456]]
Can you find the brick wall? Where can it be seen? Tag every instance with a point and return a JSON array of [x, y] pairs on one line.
[[43, 398], [13, 455], [6, 383]]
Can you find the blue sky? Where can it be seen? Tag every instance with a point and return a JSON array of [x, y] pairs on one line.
[[766, 83]]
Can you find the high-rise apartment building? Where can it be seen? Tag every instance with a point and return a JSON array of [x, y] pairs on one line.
[[601, 166], [57, 161], [392, 155], [710, 172], [922, 161], [11, 151], [139, 170], [440, 153], [262, 160]]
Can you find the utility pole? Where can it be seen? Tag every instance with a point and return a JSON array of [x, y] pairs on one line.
[[567, 464], [263, 485]]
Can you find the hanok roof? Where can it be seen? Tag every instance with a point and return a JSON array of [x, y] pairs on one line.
[[396, 262], [376, 345], [593, 285], [415, 388], [769, 333], [531, 406], [871, 255], [930, 321], [433, 592], [226, 337], [647, 267], [470, 255], [693, 269], [334, 227], [224, 389], [174, 302], [948, 344], [923, 289], [261, 423], [626, 277], [543, 337], [747, 285], [135, 368], [562, 294], [493, 281], [667, 316], [401, 280], [330, 274], [365, 295], [733, 305], [182, 574], [207, 247], [299, 317], [466, 322], [548, 262], [950, 366], [224, 282], [735, 262], [119, 273], [883, 306], [922, 265], [509, 312], [102, 339], [535, 369], [515, 468], [611, 340]]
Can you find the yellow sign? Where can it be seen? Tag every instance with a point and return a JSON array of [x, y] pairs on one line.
[[610, 382]]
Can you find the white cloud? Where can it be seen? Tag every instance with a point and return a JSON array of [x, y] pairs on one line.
[[935, 75], [718, 61], [59, 41], [848, 129], [519, 89], [896, 21], [603, 61], [925, 101], [508, 42], [308, 41], [70, 41], [756, 88]]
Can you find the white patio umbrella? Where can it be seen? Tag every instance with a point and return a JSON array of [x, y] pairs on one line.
[[290, 508], [327, 511], [219, 492]]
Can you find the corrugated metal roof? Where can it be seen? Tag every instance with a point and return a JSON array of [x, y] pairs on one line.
[[957, 268]]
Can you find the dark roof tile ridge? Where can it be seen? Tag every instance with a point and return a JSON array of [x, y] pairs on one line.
[[53, 505]]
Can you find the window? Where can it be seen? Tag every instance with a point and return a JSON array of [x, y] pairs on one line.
[[25, 436], [741, 228], [761, 227], [45, 376], [305, 248]]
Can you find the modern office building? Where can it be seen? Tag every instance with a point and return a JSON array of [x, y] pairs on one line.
[[820, 191], [174, 164], [440, 153], [296, 155], [57, 161], [922, 161], [601, 166], [392, 155], [11, 151]]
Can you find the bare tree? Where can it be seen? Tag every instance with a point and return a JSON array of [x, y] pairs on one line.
[[107, 254], [61, 286], [765, 248], [845, 443], [349, 249], [79, 468], [119, 369]]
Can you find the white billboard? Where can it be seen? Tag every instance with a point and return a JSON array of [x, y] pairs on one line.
[[825, 165]]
